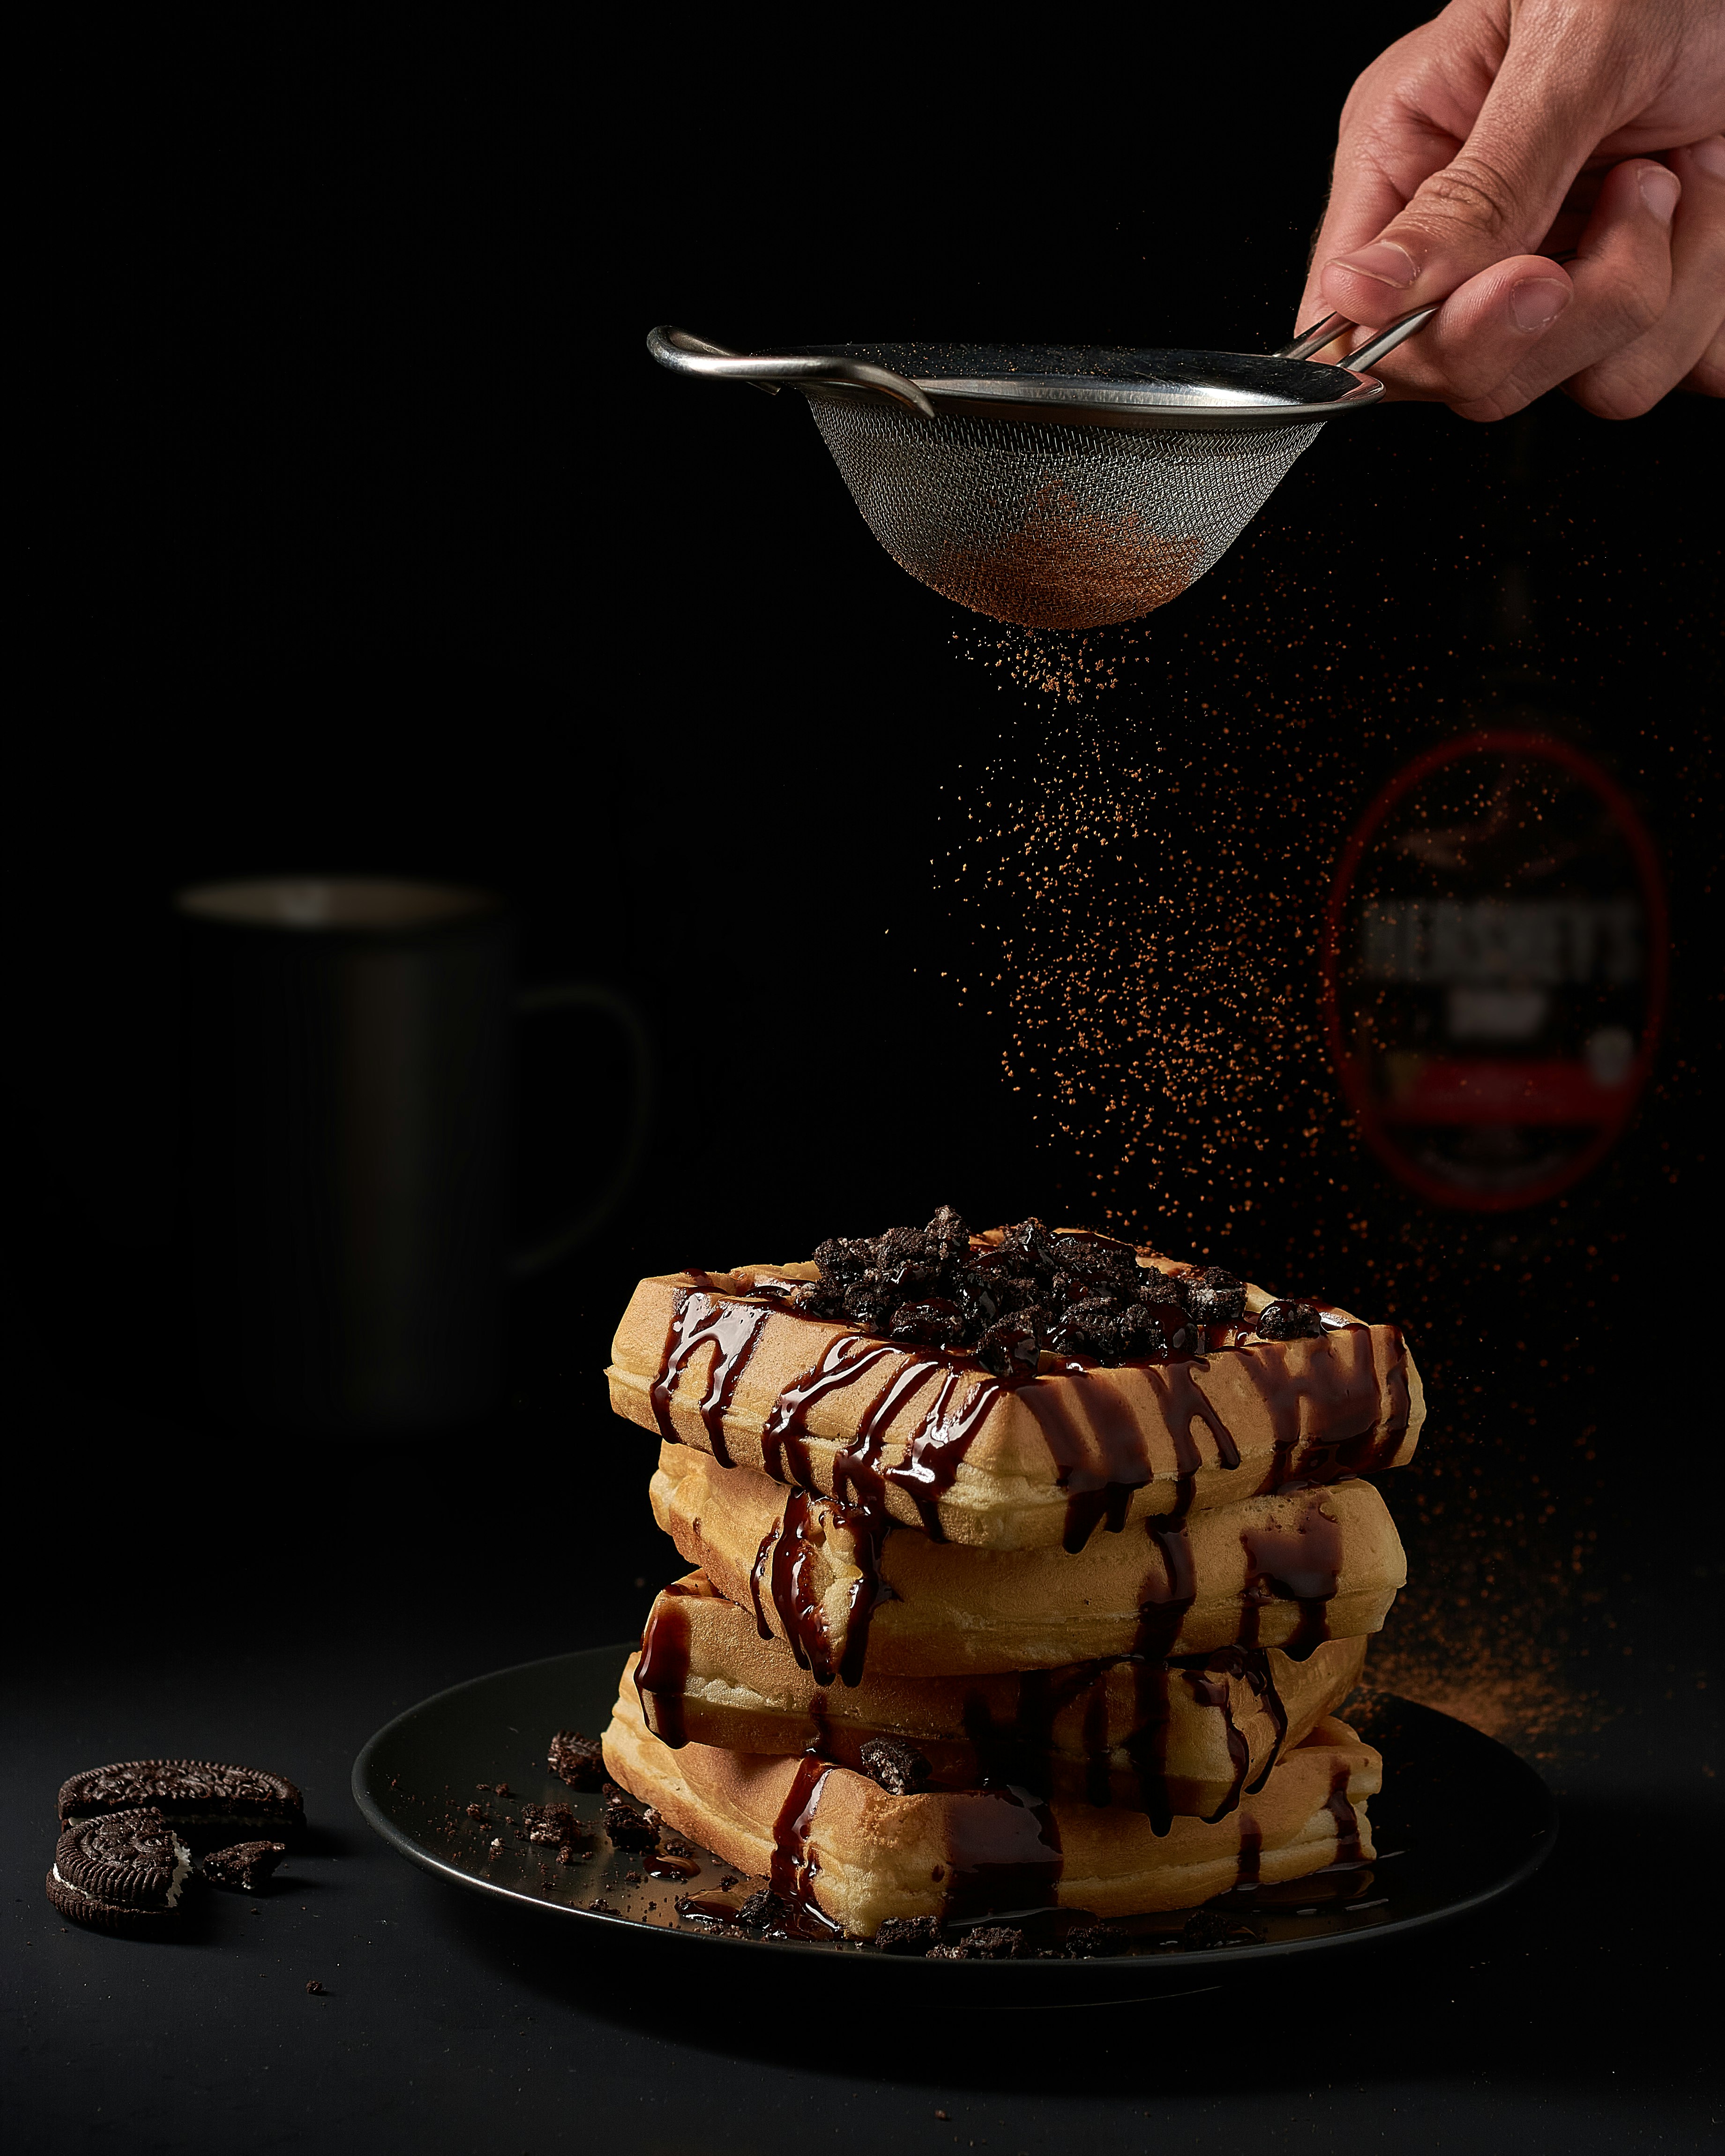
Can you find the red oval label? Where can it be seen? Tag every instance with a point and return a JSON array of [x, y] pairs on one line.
[[1494, 969]]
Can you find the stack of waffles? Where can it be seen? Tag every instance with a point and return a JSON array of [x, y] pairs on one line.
[[975, 1630]]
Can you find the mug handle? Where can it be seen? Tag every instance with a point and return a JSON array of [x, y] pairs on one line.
[[590, 995]]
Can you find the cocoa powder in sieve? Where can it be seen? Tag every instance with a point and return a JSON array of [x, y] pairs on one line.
[[1068, 567]]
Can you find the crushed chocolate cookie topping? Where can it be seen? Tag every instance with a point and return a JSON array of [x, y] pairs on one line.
[[1085, 1941], [245, 1866], [899, 1768], [577, 1760], [1034, 1289], [624, 1827], [550, 1823], [1289, 1320], [1214, 1297], [996, 1942], [908, 1935], [1208, 1928], [764, 1911]]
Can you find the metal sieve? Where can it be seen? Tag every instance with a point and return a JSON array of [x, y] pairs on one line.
[[1059, 487]]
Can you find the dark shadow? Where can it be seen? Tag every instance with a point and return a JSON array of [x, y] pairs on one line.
[[325, 1841], [1567, 1976]]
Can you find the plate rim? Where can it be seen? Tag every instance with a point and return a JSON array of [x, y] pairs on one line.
[[1195, 1959]]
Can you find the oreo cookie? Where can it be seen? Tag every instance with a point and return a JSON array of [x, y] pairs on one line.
[[121, 1871], [244, 1867], [204, 1798]]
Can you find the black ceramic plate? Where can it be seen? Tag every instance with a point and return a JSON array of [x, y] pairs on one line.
[[1461, 1821]]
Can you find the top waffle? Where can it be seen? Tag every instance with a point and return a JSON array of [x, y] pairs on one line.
[[1044, 1446]]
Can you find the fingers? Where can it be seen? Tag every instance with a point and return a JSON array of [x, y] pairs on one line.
[[1526, 325], [1686, 342], [1482, 334], [1558, 92], [1622, 281], [1390, 140]]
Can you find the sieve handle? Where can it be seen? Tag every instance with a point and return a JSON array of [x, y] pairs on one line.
[[1378, 346], [684, 354]]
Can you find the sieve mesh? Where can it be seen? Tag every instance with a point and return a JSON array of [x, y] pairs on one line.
[[1046, 525]]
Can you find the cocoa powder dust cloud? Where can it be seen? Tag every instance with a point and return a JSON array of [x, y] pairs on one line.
[[1137, 866]]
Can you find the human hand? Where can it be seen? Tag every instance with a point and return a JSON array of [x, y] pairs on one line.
[[1503, 134]]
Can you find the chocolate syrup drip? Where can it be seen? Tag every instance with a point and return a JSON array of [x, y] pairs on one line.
[[1169, 1590], [1099, 1475], [794, 1864], [1097, 1750], [1100, 1480], [1019, 1751], [857, 1470], [786, 1564], [1003, 1852], [786, 1428], [1109, 1503], [757, 1578], [859, 1486], [939, 1445], [1301, 1564], [734, 1328], [659, 1866], [1347, 1843], [1147, 1746], [1210, 1687], [663, 1670], [1328, 1380], [1262, 1680], [1249, 1865]]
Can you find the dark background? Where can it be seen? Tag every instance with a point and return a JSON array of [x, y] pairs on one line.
[[365, 537]]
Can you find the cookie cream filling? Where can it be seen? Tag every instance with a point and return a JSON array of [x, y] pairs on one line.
[[183, 1871], [175, 1884], [60, 1879]]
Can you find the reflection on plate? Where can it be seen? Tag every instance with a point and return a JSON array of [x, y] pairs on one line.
[[1461, 1821]]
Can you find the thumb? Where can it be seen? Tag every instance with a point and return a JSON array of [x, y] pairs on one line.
[[1546, 111]]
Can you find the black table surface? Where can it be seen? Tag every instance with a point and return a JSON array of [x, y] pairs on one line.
[[319, 1597]]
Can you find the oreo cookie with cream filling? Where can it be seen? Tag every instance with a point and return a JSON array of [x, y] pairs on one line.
[[204, 1798], [121, 1871]]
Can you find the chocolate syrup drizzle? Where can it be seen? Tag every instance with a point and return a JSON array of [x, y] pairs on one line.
[[1337, 1805], [784, 1565], [1004, 1855], [1298, 1564], [1010, 1858], [734, 1328], [795, 1867], [1022, 1750], [1094, 1439], [663, 1670]]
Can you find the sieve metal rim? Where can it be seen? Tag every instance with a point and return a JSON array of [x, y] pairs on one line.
[[1122, 403], [1140, 417]]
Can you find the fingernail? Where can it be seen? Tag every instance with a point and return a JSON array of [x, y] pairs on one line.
[[1535, 302], [1660, 190], [1710, 155], [1384, 260]]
